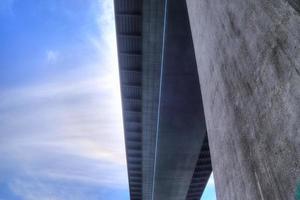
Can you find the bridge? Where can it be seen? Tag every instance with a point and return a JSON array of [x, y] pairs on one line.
[[166, 143], [236, 60]]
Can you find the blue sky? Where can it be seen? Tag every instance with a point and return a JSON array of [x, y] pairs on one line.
[[61, 134], [209, 192]]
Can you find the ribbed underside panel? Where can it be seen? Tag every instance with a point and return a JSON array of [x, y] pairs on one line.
[[128, 15], [129, 22]]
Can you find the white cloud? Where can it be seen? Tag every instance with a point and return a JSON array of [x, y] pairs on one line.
[[38, 190], [52, 56], [67, 128], [107, 42], [82, 119]]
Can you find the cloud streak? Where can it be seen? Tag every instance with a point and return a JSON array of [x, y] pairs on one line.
[[52, 56], [67, 130]]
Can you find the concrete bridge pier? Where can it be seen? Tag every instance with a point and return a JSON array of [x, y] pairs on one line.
[[248, 58]]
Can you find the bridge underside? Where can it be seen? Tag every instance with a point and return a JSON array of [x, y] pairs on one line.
[[167, 149]]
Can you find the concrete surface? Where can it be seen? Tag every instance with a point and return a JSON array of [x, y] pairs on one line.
[[153, 22], [163, 143], [181, 124], [248, 57]]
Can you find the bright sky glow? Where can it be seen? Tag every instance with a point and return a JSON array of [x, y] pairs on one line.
[[61, 134], [209, 191]]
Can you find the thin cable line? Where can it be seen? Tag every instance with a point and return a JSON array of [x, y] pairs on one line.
[[160, 86]]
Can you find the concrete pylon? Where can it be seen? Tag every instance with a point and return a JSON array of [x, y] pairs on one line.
[[248, 58]]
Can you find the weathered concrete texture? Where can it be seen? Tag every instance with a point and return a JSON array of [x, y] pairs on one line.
[[248, 57]]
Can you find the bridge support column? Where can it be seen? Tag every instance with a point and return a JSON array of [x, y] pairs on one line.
[[248, 58]]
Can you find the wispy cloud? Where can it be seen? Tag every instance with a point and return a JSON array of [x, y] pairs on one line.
[[67, 130], [39, 190], [52, 56]]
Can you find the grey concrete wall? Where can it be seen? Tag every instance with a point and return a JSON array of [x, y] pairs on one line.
[[248, 57]]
